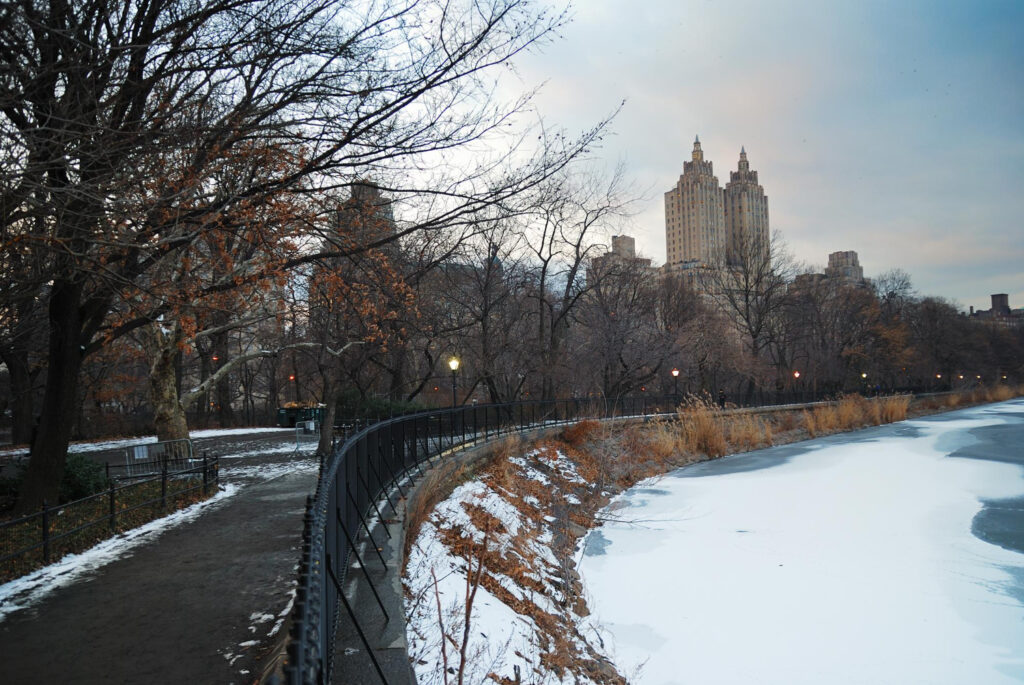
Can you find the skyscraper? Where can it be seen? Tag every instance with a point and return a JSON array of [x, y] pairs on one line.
[[746, 214], [705, 224]]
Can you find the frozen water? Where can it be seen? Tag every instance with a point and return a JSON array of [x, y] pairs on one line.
[[851, 563]]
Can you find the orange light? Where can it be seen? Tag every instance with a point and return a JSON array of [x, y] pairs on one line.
[[291, 377], [796, 374]]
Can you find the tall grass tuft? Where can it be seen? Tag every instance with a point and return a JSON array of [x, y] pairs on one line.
[[810, 424], [893, 407], [701, 429], [748, 432]]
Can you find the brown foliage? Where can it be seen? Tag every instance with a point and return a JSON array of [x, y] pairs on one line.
[[580, 433]]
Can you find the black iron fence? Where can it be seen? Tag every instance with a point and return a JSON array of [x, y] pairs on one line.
[[45, 536], [358, 480]]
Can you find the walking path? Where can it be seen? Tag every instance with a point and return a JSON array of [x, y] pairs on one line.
[[202, 606]]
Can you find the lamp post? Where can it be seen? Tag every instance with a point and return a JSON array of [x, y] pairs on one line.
[[796, 384], [453, 364], [675, 383]]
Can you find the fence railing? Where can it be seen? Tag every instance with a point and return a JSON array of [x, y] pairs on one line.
[[151, 458], [357, 479], [45, 536]]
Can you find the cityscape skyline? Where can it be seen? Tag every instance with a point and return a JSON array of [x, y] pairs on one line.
[[889, 130]]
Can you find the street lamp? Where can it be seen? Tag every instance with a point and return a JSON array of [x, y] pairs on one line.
[[453, 364], [675, 382]]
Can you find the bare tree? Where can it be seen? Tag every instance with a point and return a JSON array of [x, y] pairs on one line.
[[751, 287], [119, 117], [564, 233]]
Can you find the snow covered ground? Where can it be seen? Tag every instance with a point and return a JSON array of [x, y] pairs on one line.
[[522, 583], [853, 562], [104, 445]]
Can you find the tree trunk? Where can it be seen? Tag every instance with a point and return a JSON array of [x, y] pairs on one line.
[[168, 412], [50, 443], [225, 414], [327, 423]]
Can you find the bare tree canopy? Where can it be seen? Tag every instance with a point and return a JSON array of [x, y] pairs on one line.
[[135, 129]]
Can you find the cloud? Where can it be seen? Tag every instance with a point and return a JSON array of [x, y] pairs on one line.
[[893, 130]]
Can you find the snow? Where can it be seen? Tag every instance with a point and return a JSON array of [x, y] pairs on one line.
[[289, 448], [500, 639], [263, 472], [497, 631], [29, 589], [103, 445], [851, 563], [221, 432]]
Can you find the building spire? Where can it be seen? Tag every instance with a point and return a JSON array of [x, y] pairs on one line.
[[744, 164], [698, 154]]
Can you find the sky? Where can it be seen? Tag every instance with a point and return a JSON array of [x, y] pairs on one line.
[[895, 129]]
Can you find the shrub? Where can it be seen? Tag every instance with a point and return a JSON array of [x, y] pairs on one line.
[[9, 487], [82, 477], [580, 433]]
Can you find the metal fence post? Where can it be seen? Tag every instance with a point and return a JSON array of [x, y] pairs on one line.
[[113, 508], [46, 534], [163, 488], [206, 476]]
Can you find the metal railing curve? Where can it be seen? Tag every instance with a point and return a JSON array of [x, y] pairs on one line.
[[356, 479]]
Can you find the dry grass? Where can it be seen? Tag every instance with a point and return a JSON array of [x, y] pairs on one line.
[[701, 430], [893, 408], [854, 411], [786, 421], [968, 397], [810, 425], [747, 432], [578, 434]]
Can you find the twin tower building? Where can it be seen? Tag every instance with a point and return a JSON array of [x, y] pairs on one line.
[[706, 225]]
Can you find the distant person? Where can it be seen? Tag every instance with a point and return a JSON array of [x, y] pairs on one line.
[[721, 399]]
